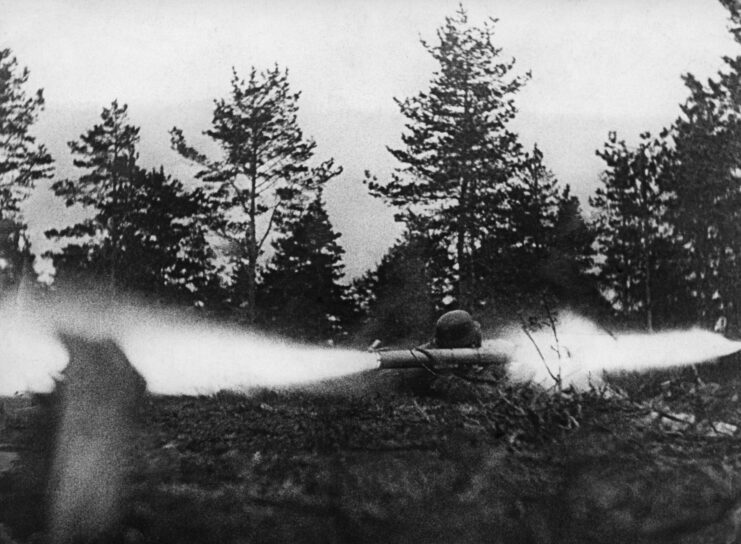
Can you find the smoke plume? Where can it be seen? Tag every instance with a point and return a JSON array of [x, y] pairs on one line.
[[580, 352], [175, 353], [178, 354]]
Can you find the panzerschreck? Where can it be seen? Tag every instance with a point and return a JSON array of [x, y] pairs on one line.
[[457, 344], [493, 353]]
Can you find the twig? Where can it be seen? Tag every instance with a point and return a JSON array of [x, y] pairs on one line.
[[421, 411], [667, 415], [431, 359], [540, 354], [552, 323]]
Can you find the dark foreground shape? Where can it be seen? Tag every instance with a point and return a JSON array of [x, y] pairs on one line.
[[99, 399]]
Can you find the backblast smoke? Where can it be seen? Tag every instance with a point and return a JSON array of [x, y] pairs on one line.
[[174, 354]]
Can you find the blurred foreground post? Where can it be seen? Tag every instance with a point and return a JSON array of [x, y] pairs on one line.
[[99, 399]]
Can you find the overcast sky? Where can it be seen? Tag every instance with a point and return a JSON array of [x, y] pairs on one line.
[[597, 65]]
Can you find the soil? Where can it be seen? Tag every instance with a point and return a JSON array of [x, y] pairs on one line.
[[651, 458]]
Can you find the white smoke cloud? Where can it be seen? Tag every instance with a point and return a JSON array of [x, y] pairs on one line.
[[175, 355], [30, 356], [580, 352], [189, 359]]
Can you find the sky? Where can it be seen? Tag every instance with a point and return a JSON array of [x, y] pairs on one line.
[[597, 66]]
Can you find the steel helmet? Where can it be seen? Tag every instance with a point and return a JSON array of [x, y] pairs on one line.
[[457, 329]]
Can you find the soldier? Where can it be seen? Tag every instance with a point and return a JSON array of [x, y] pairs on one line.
[[456, 329]]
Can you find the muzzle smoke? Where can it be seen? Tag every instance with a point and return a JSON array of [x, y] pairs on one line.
[[580, 352]]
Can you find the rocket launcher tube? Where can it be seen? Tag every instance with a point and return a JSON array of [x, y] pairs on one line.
[[495, 353]]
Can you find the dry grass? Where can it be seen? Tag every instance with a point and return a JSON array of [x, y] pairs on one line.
[[468, 462]]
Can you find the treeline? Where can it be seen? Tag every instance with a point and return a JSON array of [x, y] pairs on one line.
[[669, 209], [489, 228]]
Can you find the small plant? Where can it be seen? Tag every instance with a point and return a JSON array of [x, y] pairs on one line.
[[548, 320]]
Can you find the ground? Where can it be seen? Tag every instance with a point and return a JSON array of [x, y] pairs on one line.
[[651, 458]]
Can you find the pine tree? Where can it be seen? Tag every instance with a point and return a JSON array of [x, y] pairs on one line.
[[706, 184], [458, 154], [633, 233], [704, 188], [300, 294], [107, 153], [675, 251], [164, 239], [145, 232], [516, 257], [22, 161], [568, 267], [396, 301], [264, 170]]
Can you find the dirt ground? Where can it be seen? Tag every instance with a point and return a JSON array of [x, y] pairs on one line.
[[652, 458]]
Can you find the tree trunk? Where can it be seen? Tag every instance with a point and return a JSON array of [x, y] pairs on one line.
[[114, 258], [465, 264], [648, 295], [703, 271], [252, 258], [113, 226], [464, 267]]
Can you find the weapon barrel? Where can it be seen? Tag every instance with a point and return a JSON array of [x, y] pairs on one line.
[[494, 354]]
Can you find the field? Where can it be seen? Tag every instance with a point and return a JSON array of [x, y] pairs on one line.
[[650, 458]]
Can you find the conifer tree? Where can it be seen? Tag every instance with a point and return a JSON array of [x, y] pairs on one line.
[[568, 268], [572, 239], [22, 161], [633, 233], [164, 239], [145, 231], [396, 301], [675, 252], [265, 167], [300, 294], [107, 154], [533, 199], [458, 153], [706, 212]]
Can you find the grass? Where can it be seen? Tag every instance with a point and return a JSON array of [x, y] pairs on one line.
[[466, 462]]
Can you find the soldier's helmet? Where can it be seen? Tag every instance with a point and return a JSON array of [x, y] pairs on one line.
[[457, 329]]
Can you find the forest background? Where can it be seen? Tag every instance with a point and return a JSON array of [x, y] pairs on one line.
[[485, 224]]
